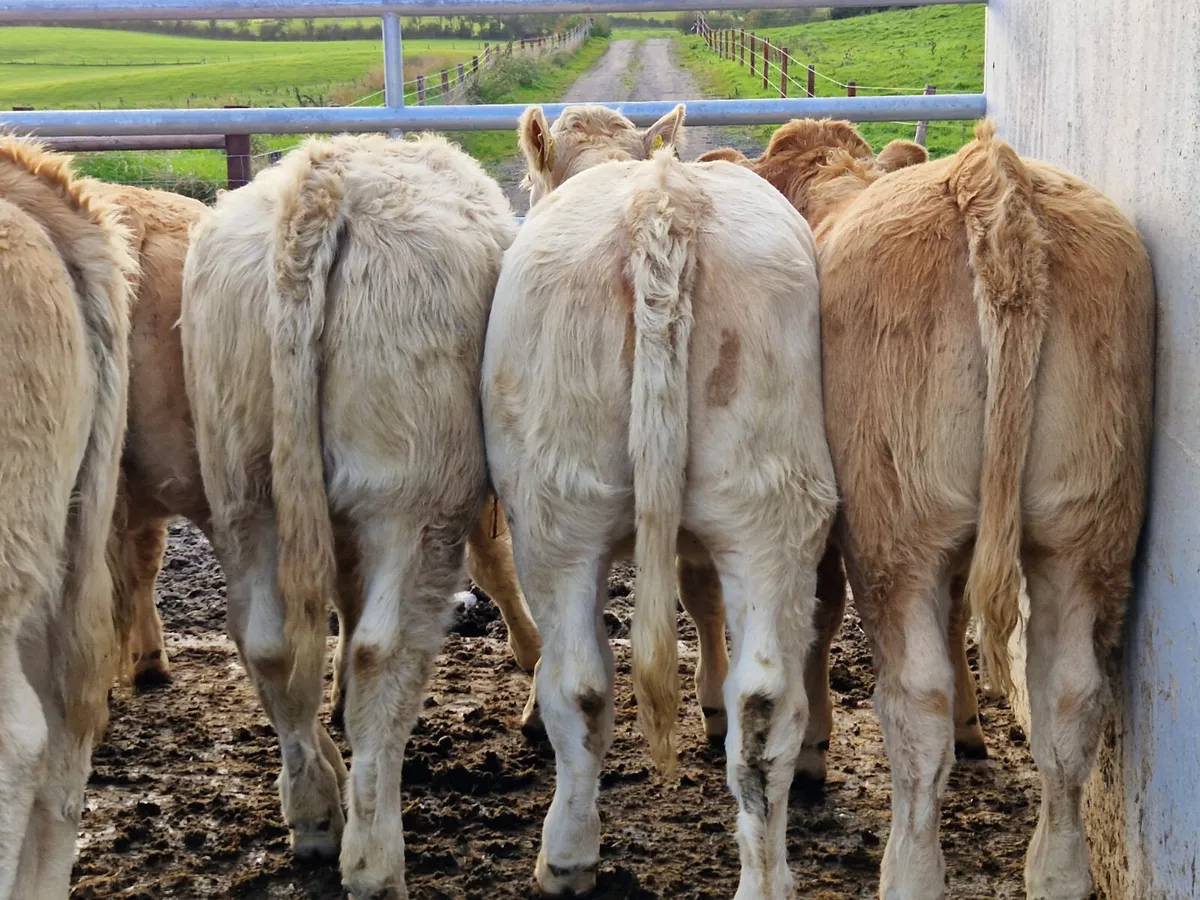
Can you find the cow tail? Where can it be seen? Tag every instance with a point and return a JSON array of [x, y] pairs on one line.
[[1008, 258], [309, 230], [660, 270]]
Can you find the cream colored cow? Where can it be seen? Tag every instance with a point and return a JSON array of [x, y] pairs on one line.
[[333, 320], [987, 326], [161, 467], [64, 269], [652, 369]]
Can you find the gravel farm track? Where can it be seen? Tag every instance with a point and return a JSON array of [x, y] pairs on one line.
[[183, 803]]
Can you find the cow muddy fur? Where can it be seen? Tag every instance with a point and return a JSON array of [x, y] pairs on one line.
[[183, 802]]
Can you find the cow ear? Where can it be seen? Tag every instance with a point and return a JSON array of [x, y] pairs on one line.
[[537, 144], [900, 154], [667, 131]]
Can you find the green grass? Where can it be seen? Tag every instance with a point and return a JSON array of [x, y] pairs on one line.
[[76, 68], [939, 45], [55, 68], [629, 33]]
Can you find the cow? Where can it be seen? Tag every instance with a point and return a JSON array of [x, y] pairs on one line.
[[64, 270], [988, 329], [161, 467], [333, 318], [651, 382]]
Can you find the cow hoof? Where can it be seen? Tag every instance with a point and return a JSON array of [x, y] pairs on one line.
[[387, 892], [565, 881], [809, 778], [148, 679], [969, 742], [970, 750], [532, 727], [716, 724], [151, 669], [315, 841]]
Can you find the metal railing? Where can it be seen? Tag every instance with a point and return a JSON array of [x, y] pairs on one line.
[[395, 116]]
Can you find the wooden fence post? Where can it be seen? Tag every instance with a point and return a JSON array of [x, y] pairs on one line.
[[237, 158], [742, 50], [852, 89], [812, 80], [923, 125], [445, 85], [420, 90], [474, 66], [462, 76], [766, 45], [752, 53], [783, 79]]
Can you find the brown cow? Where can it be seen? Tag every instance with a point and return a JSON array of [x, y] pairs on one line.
[[987, 327], [64, 269]]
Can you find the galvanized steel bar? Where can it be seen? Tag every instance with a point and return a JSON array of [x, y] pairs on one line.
[[393, 62], [498, 117], [93, 10]]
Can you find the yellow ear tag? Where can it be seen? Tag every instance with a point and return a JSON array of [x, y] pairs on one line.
[[658, 143]]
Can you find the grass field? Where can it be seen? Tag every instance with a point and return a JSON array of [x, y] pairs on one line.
[[58, 68], [907, 49], [78, 68]]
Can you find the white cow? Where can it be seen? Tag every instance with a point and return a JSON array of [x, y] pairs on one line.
[[652, 378], [334, 312]]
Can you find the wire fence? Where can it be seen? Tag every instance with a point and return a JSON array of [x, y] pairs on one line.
[[775, 65]]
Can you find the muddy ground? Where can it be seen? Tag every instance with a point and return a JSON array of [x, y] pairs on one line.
[[183, 803]]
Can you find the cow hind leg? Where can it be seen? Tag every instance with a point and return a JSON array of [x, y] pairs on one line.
[[147, 647], [700, 594], [831, 607], [1065, 690], [574, 684], [23, 736], [913, 697], [410, 573], [311, 779], [769, 604], [969, 742], [490, 562]]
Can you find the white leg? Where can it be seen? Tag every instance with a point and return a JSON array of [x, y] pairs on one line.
[[310, 783], [914, 696], [410, 574], [770, 622], [1065, 683], [574, 690], [23, 734]]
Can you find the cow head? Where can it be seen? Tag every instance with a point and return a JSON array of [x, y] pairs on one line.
[[819, 163], [585, 136]]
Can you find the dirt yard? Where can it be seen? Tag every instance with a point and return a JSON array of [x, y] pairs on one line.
[[183, 803]]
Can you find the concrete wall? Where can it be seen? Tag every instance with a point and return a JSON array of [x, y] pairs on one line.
[[1110, 89]]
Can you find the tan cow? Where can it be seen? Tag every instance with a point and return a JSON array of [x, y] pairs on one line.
[[988, 336], [161, 467], [64, 265], [333, 320], [651, 381]]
